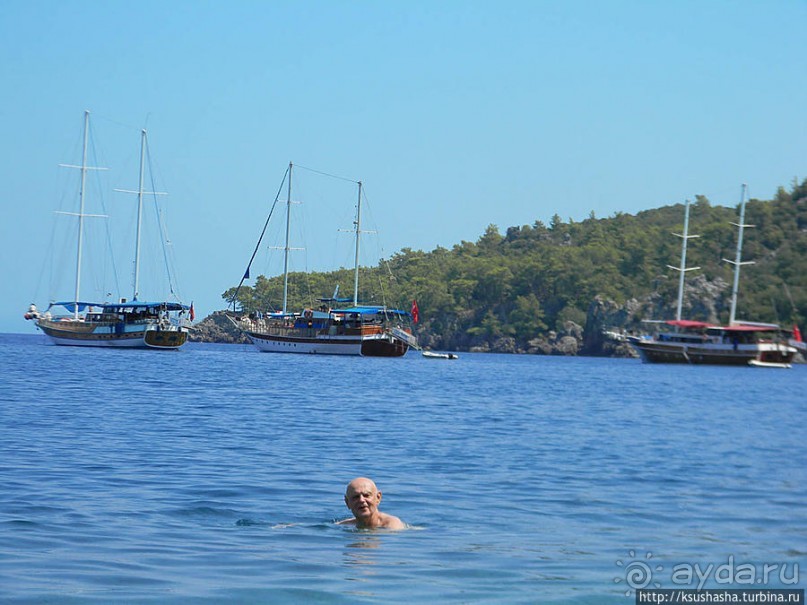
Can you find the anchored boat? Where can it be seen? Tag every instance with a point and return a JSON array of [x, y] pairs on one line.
[[124, 324], [336, 326], [697, 342], [157, 325]]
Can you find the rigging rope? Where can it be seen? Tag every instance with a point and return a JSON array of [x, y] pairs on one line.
[[160, 223], [263, 232], [378, 273], [333, 176], [110, 255]]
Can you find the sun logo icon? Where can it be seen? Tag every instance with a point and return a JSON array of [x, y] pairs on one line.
[[638, 572]]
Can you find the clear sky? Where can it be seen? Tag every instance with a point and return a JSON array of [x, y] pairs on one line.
[[454, 114]]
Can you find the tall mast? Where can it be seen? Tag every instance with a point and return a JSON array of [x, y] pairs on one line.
[[356, 262], [139, 214], [286, 248], [140, 193], [683, 267], [81, 213], [737, 262]]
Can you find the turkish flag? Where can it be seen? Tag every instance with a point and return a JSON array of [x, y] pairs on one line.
[[192, 314], [796, 333], [415, 311]]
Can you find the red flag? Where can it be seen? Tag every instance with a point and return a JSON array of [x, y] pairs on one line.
[[415, 311], [796, 333], [193, 315]]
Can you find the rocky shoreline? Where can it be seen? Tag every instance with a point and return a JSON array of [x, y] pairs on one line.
[[217, 327]]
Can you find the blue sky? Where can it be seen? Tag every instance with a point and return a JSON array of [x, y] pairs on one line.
[[454, 114]]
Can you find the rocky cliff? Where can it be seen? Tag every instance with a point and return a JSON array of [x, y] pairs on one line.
[[217, 327]]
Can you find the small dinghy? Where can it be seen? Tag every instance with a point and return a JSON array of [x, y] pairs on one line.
[[431, 355]]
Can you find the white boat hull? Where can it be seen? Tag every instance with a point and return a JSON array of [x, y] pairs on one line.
[[312, 346], [367, 345]]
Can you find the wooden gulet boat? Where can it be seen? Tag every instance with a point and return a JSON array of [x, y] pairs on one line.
[[697, 342], [338, 326]]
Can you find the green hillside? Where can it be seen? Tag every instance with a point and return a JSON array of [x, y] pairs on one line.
[[508, 289]]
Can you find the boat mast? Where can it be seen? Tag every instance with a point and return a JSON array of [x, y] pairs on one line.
[[81, 216], [737, 262], [356, 262], [139, 214], [286, 248], [682, 269], [81, 213], [140, 193]]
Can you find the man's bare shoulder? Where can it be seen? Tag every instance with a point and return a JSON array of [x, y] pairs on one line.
[[392, 522], [385, 521]]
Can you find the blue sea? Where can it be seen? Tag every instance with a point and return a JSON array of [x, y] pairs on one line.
[[213, 474]]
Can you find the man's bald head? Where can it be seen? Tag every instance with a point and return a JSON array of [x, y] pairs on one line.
[[360, 484]]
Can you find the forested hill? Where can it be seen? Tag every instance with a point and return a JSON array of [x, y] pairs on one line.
[[519, 290]]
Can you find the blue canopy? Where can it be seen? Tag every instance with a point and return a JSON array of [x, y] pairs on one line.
[[71, 305], [371, 310], [168, 306]]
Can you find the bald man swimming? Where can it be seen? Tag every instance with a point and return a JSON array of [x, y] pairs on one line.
[[362, 498]]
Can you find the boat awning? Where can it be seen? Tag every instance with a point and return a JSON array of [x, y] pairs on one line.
[[758, 325], [370, 310], [749, 328], [689, 324], [163, 306], [71, 305]]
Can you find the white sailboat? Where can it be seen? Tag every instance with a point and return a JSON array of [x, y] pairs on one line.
[[698, 342], [338, 326], [123, 324]]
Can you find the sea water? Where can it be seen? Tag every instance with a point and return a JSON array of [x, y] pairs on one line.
[[213, 474]]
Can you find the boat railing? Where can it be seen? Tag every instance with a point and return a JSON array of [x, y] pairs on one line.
[[95, 318], [61, 318], [772, 340], [142, 320], [271, 327], [683, 337]]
